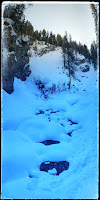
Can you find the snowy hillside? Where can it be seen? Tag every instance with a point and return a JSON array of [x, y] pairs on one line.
[[41, 130]]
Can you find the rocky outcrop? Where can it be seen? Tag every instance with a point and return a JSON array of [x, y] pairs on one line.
[[16, 61], [82, 63], [84, 68], [79, 61]]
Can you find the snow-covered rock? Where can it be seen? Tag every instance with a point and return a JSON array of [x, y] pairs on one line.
[[52, 171]]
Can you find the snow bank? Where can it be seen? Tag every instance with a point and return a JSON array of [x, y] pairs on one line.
[[24, 128]]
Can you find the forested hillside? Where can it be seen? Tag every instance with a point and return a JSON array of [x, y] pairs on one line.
[[19, 35]]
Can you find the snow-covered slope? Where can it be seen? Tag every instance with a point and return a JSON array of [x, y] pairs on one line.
[[69, 117]]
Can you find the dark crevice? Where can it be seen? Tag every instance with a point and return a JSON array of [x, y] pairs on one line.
[[54, 112], [62, 125], [40, 112], [73, 103], [70, 134], [50, 142], [59, 166], [72, 122], [30, 176]]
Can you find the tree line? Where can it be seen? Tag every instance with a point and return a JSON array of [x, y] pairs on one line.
[[58, 40], [16, 13]]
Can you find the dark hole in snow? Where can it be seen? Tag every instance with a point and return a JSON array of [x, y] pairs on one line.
[[59, 166], [42, 86], [30, 176], [62, 125], [54, 111], [83, 90], [73, 103], [49, 142], [72, 122], [70, 134], [49, 119], [40, 112], [82, 76]]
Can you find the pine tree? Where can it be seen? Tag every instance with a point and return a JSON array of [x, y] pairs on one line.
[[68, 56], [93, 51], [40, 35], [50, 38], [94, 13], [64, 44], [36, 35], [44, 35], [59, 40], [53, 39], [28, 28]]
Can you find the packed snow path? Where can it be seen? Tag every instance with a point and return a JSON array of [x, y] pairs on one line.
[[30, 120]]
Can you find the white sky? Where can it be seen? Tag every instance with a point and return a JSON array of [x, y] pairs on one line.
[[75, 18]]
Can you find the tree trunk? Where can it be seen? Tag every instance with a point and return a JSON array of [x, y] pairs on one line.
[[69, 78], [64, 61], [69, 82]]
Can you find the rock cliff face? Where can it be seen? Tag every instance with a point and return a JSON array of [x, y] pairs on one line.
[[15, 57]]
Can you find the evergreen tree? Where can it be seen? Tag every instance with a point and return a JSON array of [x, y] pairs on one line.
[[75, 48], [93, 51], [44, 35], [36, 35], [47, 36], [50, 38], [94, 13], [16, 13], [59, 40], [68, 56], [40, 35], [53, 39], [86, 52], [28, 28], [64, 45]]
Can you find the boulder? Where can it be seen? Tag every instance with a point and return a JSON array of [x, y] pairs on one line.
[[79, 61], [85, 68]]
